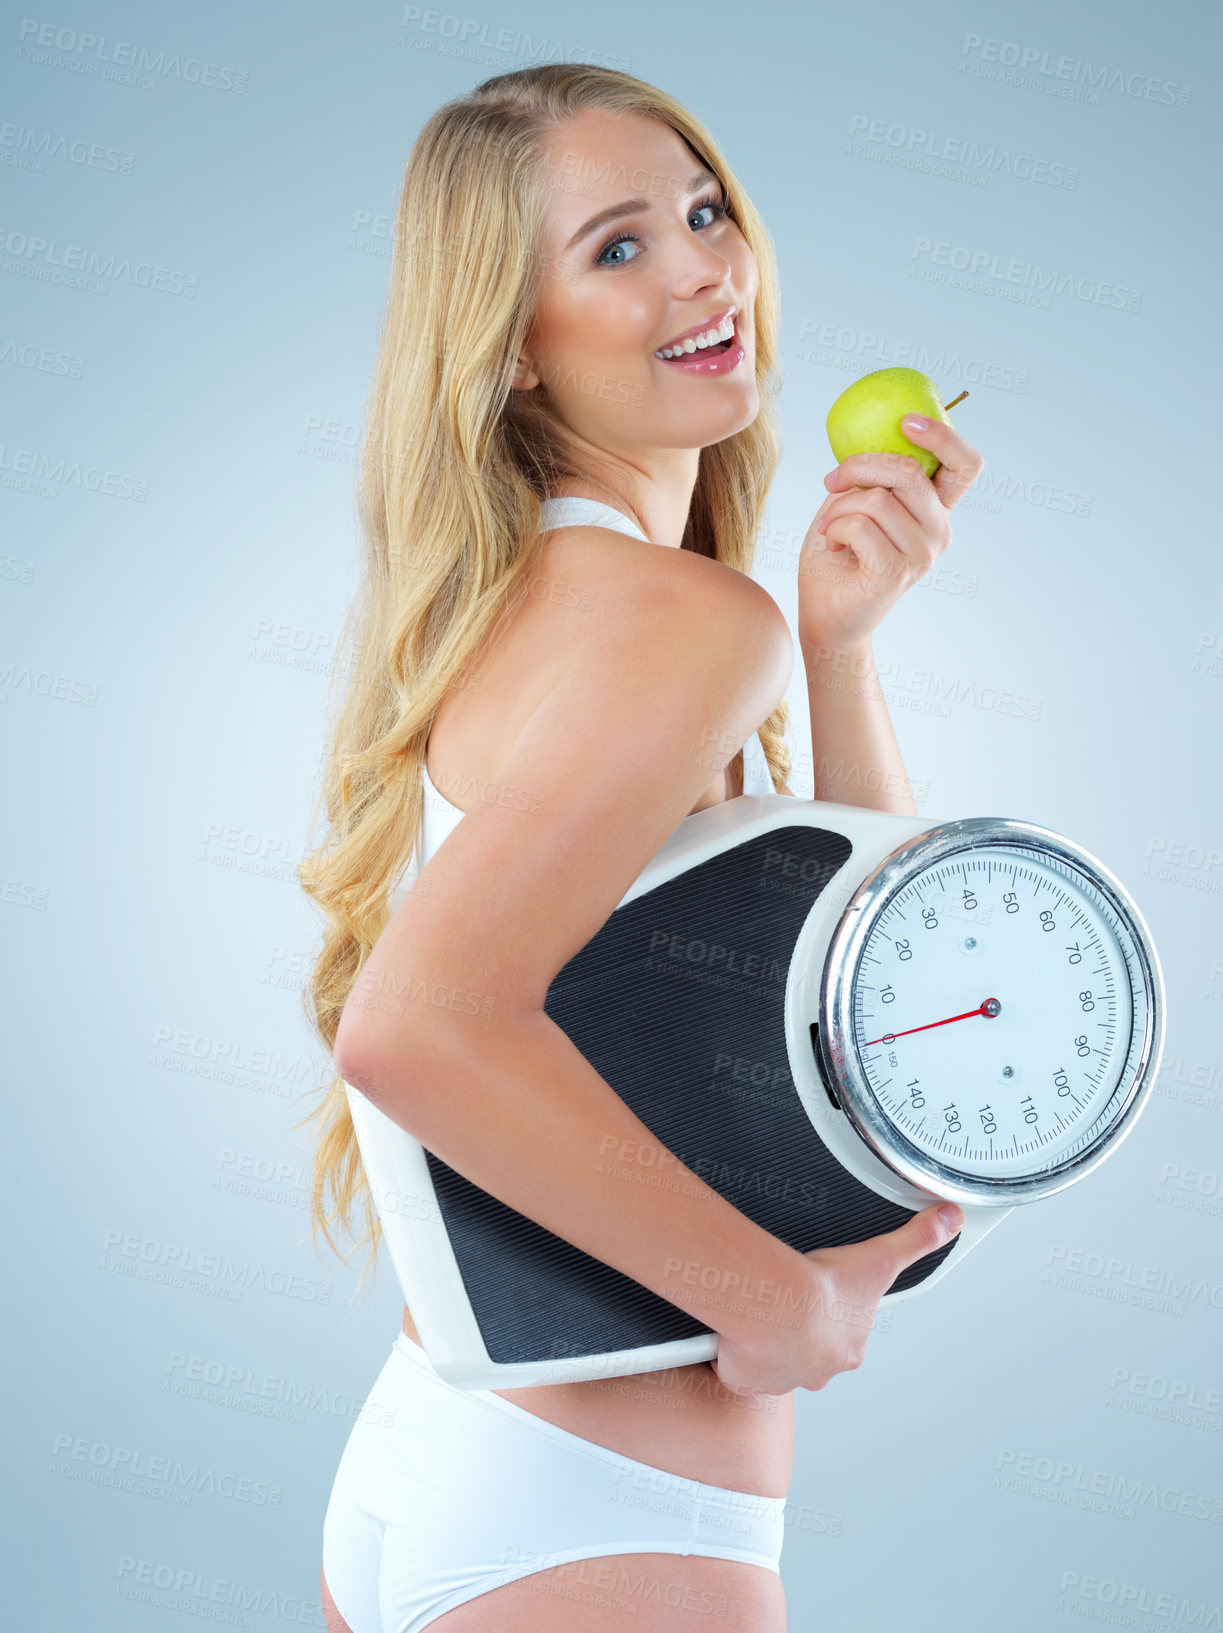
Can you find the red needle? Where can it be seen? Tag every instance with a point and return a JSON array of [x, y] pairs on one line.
[[983, 1010]]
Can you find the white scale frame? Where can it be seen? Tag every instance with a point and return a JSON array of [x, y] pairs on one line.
[[883, 853]]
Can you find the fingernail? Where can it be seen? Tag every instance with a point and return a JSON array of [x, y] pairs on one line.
[[952, 1218], [914, 422]]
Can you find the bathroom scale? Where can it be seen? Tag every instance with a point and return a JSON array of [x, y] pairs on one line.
[[834, 1016]]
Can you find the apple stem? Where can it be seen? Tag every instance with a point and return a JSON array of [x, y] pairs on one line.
[[954, 401]]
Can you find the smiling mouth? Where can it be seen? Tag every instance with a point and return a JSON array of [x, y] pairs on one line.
[[689, 345], [716, 350], [706, 351]]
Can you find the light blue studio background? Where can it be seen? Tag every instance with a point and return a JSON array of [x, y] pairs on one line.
[[1037, 1439]]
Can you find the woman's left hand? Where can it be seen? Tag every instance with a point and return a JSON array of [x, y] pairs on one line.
[[882, 527]]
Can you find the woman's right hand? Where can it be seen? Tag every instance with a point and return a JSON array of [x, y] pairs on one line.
[[824, 1329]]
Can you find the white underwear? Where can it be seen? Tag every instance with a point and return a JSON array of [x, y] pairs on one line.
[[443, 1494]]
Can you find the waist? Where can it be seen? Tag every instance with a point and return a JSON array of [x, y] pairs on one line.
[[682, 1420]]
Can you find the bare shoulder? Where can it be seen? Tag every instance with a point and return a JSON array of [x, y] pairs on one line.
[[674, 661], [625, 575]]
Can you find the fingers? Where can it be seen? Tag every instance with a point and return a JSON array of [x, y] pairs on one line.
[[921, 540], [925, 1233], [898, 474], [960, 467], [750, 1396], [961, 464], [867, 540], [883, 1257]]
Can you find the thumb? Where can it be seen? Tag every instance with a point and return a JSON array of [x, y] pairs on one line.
[[925, 1233]]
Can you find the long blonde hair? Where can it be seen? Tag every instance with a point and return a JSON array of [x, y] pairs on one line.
[[454, 466]]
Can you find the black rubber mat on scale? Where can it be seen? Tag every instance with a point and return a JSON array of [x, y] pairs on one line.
[[677, 1002]]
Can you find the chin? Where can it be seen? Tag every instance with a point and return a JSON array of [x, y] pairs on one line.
[[738, 416]]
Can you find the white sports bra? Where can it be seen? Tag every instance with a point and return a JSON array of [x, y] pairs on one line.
[[440, 817]]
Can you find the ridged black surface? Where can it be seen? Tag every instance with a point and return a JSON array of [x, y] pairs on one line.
[[676, 984]]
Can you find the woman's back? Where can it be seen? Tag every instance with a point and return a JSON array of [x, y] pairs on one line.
[[457, 762], [682, 1413]]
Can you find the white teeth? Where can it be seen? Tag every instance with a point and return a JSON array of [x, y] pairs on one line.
[[710, 337]]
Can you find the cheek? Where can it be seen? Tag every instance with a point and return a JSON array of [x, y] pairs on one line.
[[563, 330], [602, 324], [749, 275], [742, 262]]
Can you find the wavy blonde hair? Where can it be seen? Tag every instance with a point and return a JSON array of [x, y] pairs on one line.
[[454, 466]]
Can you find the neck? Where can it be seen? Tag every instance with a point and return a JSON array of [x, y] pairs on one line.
[[657, 495]]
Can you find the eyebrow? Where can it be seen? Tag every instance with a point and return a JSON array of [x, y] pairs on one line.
[[630, 205]]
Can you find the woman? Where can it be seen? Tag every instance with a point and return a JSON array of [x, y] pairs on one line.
[[560, 509]]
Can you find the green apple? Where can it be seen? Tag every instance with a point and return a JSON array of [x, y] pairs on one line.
[[865, 419]]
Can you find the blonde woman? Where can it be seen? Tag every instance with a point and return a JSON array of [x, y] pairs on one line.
[[559, 500]]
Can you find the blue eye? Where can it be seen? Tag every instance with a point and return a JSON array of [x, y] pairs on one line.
[[717, 205]]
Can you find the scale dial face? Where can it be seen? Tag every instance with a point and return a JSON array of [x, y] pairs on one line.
[[990, 1010]]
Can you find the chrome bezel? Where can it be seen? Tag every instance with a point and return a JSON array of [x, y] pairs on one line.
[[853, 1088]]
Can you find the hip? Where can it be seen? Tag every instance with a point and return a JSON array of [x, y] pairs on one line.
[[443, 1495], [682, 1419]]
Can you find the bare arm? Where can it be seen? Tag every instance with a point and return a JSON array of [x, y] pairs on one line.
[[678, 659], [525, 1116], [854, 752], [881, 528]]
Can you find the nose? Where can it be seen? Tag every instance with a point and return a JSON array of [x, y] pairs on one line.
[[700, 270], [696, 266]]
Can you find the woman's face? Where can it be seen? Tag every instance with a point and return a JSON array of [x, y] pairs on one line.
[[616, 291]]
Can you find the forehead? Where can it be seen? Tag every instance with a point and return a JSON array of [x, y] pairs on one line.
[[598, 158]]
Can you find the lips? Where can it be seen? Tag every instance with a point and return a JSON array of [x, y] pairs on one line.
[[713, 322], [709, 362]]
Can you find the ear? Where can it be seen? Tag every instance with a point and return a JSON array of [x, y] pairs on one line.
[[524, 377]]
